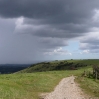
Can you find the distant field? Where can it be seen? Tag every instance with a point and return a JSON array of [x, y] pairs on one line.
[[30, 85]]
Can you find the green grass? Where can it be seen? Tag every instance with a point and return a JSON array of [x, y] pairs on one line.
[[30, 85], [60, 65], [90, 86]]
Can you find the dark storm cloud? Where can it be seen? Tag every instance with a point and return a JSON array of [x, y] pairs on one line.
[[90, 43], [54, 9], [90, 46], [92, 40], [65, 18], [52, 42], [30, 8], [50, 25]]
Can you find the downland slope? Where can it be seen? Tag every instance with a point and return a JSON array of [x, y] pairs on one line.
[[43, 77], [60, 65]]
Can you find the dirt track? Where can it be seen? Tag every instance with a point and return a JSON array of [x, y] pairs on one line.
[[66, 89]]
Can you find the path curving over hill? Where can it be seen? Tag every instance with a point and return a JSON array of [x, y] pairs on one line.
[[66, 89]]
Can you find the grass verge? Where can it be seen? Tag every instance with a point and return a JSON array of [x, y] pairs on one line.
[[90, 86]]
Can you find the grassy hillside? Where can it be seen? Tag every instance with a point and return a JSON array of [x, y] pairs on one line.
[[90, 86], [60, 65], [24, 85], [30, 85]]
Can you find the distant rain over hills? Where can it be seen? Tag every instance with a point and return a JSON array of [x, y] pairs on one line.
[[32, 30]]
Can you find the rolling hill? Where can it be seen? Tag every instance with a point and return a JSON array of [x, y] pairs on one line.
[[60, 65]]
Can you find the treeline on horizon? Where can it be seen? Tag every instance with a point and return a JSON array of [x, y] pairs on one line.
[[55, 65]]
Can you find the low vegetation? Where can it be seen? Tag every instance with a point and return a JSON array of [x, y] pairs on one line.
[[59, 65], [30, 85], [25, 85], [95, 72], [90, 86]]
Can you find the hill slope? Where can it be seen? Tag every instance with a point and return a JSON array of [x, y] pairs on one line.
[[60, 65], [31, 85]]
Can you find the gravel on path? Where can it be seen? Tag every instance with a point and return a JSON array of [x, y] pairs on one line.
[[67, 89]]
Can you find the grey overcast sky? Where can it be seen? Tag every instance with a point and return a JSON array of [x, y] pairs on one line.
[[32, 30]]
